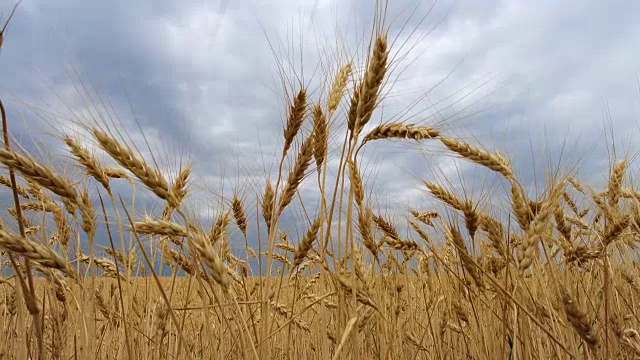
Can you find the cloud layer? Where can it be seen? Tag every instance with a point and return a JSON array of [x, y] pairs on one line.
[[201, 81]]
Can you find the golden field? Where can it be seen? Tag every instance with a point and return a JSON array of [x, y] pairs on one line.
[[90, 273]]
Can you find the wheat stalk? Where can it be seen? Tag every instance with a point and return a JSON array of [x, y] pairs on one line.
[[218, 228], [35, 252], [151, 178], [239, 214], [178, 190], [370, 86], [160, 227], [91, 165], [444, 195], [268, 204], [494, 162], [578, 319], [22, 191], [297, 173], [615, 181], [401, 131], [337, 89], [42, 175], [306, 243], [320, 136], [294, 121]]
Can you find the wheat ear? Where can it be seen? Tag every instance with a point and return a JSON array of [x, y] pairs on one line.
[[494, 162], [150, 177]]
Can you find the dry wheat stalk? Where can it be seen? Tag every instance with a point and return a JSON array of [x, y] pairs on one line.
[[370, 86], [114, 173], [365, 315], [42, 175], [219, 271], [353, 108], [306, 243], [22, 191], [400, 244], [578, 222], [356, 183], [60, 283], [629, 194], [534, 232], [109, 267], [361, 290], [101, 304], [26, 222], [495, 231], [605, 209], [337, 89], [294, 120], [49, 206], [425, 217], [471, 217], [297, 173], [124, 260], [150, 177], [320, 136], [32, 230], [385, 226], [534, 206], [519, 205], [286, 247], [562, 225], [467, 262], [268, 204], [6, 23], [178, 190], [62, 226], [615, 228], [480, 156], [172, 256], [401, 131], [578, 319], [615, 181], [35, 252], [279, 257], [460, 311], [310, 283], [224, 248], [88, 215], [159, 227], [360, 269], [629, 338], [572, 205], [444, 195], [239, 214], [364, 221], [346, 334], [160, 320], [413, 339], [219, 227], [575, 184], [91, 165], [283, 310], [581, 255], [423, 235]]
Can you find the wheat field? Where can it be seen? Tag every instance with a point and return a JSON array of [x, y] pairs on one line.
[[91, 274]]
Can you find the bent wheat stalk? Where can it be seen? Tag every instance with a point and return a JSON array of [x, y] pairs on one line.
[[152, 178]]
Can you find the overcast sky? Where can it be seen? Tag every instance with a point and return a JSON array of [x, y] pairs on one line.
[[523, 77]]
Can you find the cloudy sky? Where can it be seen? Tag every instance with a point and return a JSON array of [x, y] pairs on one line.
[[539, 81]]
